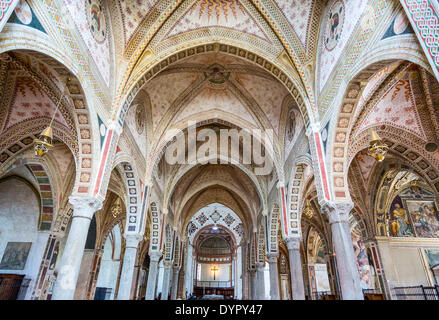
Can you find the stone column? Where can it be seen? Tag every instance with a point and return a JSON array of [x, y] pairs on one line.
[[297, 286], [338, 214], [174, 287], [83, 210], [188, 271], [252, 275], [238, 282], [154, 257], [260, 281], [129, 259], [274, 276], [166, 279]]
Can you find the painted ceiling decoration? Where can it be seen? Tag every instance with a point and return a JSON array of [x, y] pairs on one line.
[[229, 14], [319, 85], [90, 20]]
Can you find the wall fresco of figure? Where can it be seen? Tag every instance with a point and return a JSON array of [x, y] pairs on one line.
[[400, 225], [425, 218]]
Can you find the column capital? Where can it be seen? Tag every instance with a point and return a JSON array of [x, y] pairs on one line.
[[176, 268], [85, 206], [132, 240], [165, 211], [259, 265], [272, 257], [115, 127], [280, 184], [293, 243], [167, 264], [155, 255], [337, 212]]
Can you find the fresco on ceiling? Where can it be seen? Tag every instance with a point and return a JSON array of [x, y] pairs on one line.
[[399, 26], [338, 25], [24, 15]]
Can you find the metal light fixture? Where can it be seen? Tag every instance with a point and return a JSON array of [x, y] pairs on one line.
[[307, 211], [44, 142], [377, 148], [116, 209]]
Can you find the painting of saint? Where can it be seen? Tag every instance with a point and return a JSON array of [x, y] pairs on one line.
[[335, 24], [361, 258], [425, 218], [400, 225]]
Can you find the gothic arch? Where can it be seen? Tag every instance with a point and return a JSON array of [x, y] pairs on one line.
[[75, 108]]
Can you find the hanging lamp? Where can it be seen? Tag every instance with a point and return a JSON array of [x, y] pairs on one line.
[[44, 142]]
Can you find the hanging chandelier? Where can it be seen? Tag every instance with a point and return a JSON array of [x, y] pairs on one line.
[[44, 142], [307, 211], [116, 209], [377, 148]]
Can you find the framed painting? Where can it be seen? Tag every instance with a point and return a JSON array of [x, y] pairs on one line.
[[424, 216], [15, 255]]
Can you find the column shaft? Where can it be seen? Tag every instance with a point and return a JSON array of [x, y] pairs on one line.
[[174, 286], [166, 281], [152, 275], [297, 285], [338, 214], [129, 260], [274, 277], [83, 210], [260, 281]]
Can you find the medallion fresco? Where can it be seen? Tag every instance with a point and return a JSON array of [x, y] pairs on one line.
[[334, 25], [96, 20]]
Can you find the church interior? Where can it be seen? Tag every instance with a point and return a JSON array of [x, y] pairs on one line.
[[219, 149]]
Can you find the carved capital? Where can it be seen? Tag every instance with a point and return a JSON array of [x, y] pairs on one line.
[[337, 212], [85, 206], [260, 265], [272, 257], [132, 240], [155, 255], [165, 211], [167, 264], [293, 243], [115, 126]]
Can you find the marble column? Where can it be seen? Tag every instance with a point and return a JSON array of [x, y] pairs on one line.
[[83, 210], [260, 281], [338, 214], [166, 280], [154, 257], [188, 271], [297, 285], [174, 283], [129, 259], [274, 276], [252, 275], [238, 281]]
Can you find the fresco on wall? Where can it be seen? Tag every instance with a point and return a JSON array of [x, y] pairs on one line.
[[425, 218], [15, 255], [361, 258], [432, 257], [399, 222]]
